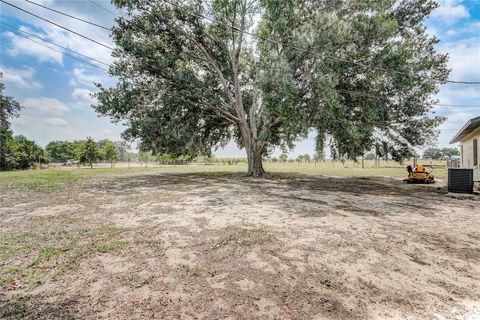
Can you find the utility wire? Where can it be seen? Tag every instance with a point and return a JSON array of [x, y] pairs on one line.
[[294, 47], [338, 90], [456, 105], [68, 15], [102, 7], [233, 27], [58, 25], [205, 17], [373, 96], [69, 55], [314, 53], [51, 42], [267, 39]]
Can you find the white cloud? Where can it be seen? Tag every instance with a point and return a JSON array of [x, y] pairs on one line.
[[82, 98], [45, 106], [81, 94], [20, 78], [56, 122], [81, 9], [471, 28], [23, 46], [464, 59], [46, 119], [450, 11], [82, 77]]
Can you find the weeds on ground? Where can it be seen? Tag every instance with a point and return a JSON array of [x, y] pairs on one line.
[[26, 263], [244, 239], [13, 308]]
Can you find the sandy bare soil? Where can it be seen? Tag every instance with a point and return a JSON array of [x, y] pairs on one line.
[[180, 246]]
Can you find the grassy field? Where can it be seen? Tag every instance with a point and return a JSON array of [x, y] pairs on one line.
[[55, 179]]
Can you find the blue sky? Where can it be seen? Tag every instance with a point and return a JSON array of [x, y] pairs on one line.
[[55, 89]]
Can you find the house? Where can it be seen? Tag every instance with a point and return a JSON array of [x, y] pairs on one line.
[[469, 139]]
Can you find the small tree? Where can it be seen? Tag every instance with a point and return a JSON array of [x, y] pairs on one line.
[[89, 152], [62, 151], [110, 152], [144, 156], [432, 154], [165, 158], [27, 153], [283, 157]]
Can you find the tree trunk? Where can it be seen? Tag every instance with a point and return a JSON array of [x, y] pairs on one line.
[[255, 166], [91, 165]]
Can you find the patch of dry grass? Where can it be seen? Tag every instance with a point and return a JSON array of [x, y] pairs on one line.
[[243, 239]]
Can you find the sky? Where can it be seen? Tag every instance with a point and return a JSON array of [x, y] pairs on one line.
[[55, 89]]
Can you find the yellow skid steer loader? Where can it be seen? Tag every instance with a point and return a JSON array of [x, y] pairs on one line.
[[420, 174]]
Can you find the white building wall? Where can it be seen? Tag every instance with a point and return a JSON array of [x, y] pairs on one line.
[[467, 156]]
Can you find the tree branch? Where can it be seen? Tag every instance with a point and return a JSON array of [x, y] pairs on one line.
[[210, 59]]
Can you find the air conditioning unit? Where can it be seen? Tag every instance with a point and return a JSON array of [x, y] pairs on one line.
[[460, 180]]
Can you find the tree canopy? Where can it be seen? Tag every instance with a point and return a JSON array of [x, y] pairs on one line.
[[439, 154], [26, 153], [62, 151], [192, 75], [9, 108], [110, 152], [88, 152]]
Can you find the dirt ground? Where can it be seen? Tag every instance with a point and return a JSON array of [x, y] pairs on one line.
[[220, 246]]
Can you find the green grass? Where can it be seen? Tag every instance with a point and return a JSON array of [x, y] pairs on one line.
[[110, 245], [58, 179]]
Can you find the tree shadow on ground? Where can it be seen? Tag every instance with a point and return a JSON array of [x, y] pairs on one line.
[[281, 189]]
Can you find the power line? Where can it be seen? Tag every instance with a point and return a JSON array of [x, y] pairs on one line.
[[294, 47], [213, 20], [338, 90], [373, 96], [315, 53], [267, 39], [68, 15], [456, 105], [58, 25], [102, 7], [68, 55], [55, 44]]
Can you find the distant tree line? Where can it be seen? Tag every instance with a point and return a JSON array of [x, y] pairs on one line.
[[16, 152], [440, 154], [87, 150]]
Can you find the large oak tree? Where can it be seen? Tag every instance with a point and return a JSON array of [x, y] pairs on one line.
[[192, 75]]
